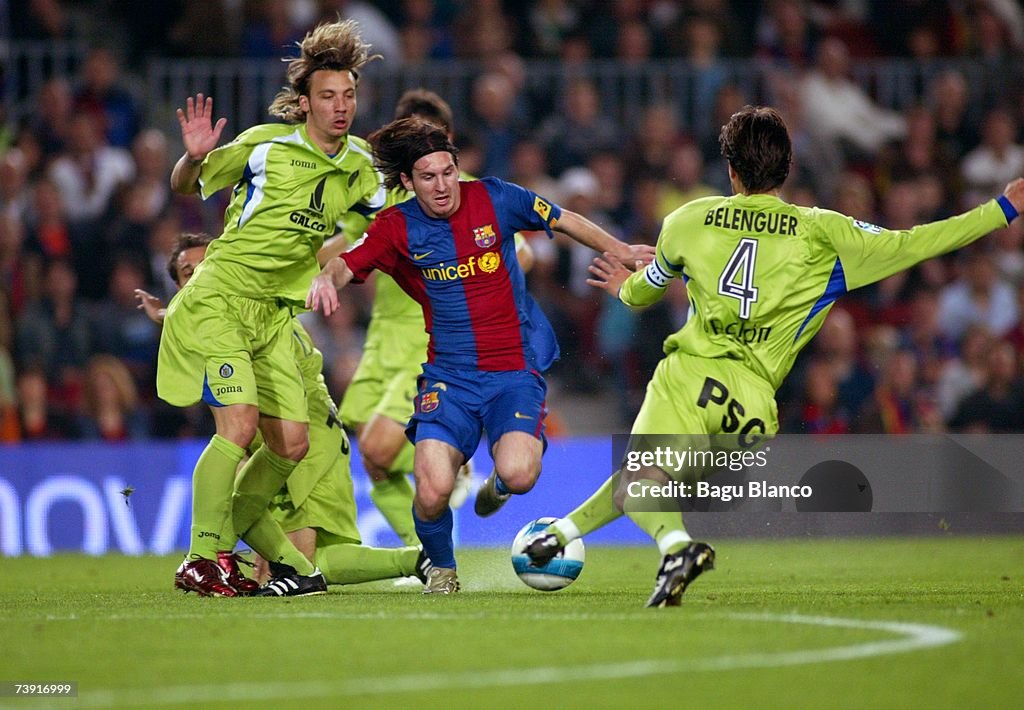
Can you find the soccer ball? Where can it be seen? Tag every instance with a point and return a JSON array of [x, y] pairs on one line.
[[556, 574]]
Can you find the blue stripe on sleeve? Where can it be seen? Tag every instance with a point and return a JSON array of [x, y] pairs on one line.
[[247, 177], [836, 287], [1008, 209], [675, 267]]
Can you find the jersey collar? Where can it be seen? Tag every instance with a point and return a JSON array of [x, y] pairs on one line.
[[336, 158]]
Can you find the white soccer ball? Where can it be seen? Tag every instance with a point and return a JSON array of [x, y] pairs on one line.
[[557, 574]]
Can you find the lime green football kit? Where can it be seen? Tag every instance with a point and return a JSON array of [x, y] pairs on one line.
[[761, 276], [227, 336], [319, 493]]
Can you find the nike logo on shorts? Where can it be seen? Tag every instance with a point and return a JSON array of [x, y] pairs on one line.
[[520, 415]]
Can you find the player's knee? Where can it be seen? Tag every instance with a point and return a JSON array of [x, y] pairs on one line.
[[240, 430], [376, 473], [519, 477], [430, 502], [376, 456], [293, 448]]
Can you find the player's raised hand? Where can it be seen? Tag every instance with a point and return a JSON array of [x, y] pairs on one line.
[[152, 305], [1015, 194], [198, 132], [609, 274]]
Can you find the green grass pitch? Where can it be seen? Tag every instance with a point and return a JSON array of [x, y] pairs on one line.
[[862, 623]]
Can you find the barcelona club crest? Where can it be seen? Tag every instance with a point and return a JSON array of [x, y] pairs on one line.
[[484, 236], [429, 401]]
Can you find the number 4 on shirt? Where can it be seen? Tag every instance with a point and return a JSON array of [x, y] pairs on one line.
[[737, 279]]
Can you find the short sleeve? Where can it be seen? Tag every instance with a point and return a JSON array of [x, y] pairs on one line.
[[526, 210], [224, 166], [378, 249]]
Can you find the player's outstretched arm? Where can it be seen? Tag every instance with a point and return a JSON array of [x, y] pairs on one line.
[[869, 254], [152, 305], [323, 292], [333, 247], [199, 135], [589, 234]]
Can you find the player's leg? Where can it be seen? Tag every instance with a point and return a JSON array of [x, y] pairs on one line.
[[284, 414], [350, 563], [378, 418], [286, 442], [594, 513], [236, 423], [517, 458], [446, 427], [323, 526], [670, 408], [214, 473], [514, 422], [436, 464], [210, 369], [284, 560], [388, 458]]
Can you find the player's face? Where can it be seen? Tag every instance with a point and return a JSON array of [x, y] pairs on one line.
[[435, 180], [187, 262], [330, 107]]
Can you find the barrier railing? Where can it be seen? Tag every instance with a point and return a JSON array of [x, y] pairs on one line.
[[244, 87]]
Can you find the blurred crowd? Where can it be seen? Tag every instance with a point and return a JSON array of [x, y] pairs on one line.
[[87, 216]]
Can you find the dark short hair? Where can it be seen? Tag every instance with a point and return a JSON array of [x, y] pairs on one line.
[[756, 143], [186, 240], [427, 105], [398, 145]]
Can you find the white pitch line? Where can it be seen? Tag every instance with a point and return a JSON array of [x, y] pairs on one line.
[[912, 637], [356, 616]]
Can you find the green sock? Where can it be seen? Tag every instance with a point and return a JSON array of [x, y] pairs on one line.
[[347, 563], [403, 460], [257, 483], [268, 539], [393, 498], [228, 536], [595, 512], [665, 527], [212, 482]]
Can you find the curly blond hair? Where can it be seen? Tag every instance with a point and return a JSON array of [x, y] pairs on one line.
[[336, 46]]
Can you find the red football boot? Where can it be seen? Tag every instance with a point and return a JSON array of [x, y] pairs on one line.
[[204, 577], [228, 561]]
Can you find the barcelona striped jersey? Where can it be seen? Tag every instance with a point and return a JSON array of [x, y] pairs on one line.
[[464, 273]]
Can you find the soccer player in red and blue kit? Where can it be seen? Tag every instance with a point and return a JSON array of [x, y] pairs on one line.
[[451, 248]]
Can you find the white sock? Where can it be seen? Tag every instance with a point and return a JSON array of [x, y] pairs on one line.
[[567, 529], [673, 539]]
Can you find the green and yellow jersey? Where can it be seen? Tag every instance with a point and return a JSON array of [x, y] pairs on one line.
[[762, 274], [287, 197]]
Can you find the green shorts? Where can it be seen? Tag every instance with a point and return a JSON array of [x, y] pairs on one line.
[[705, 404], [323, 483], [226, 349], [385, 381]]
